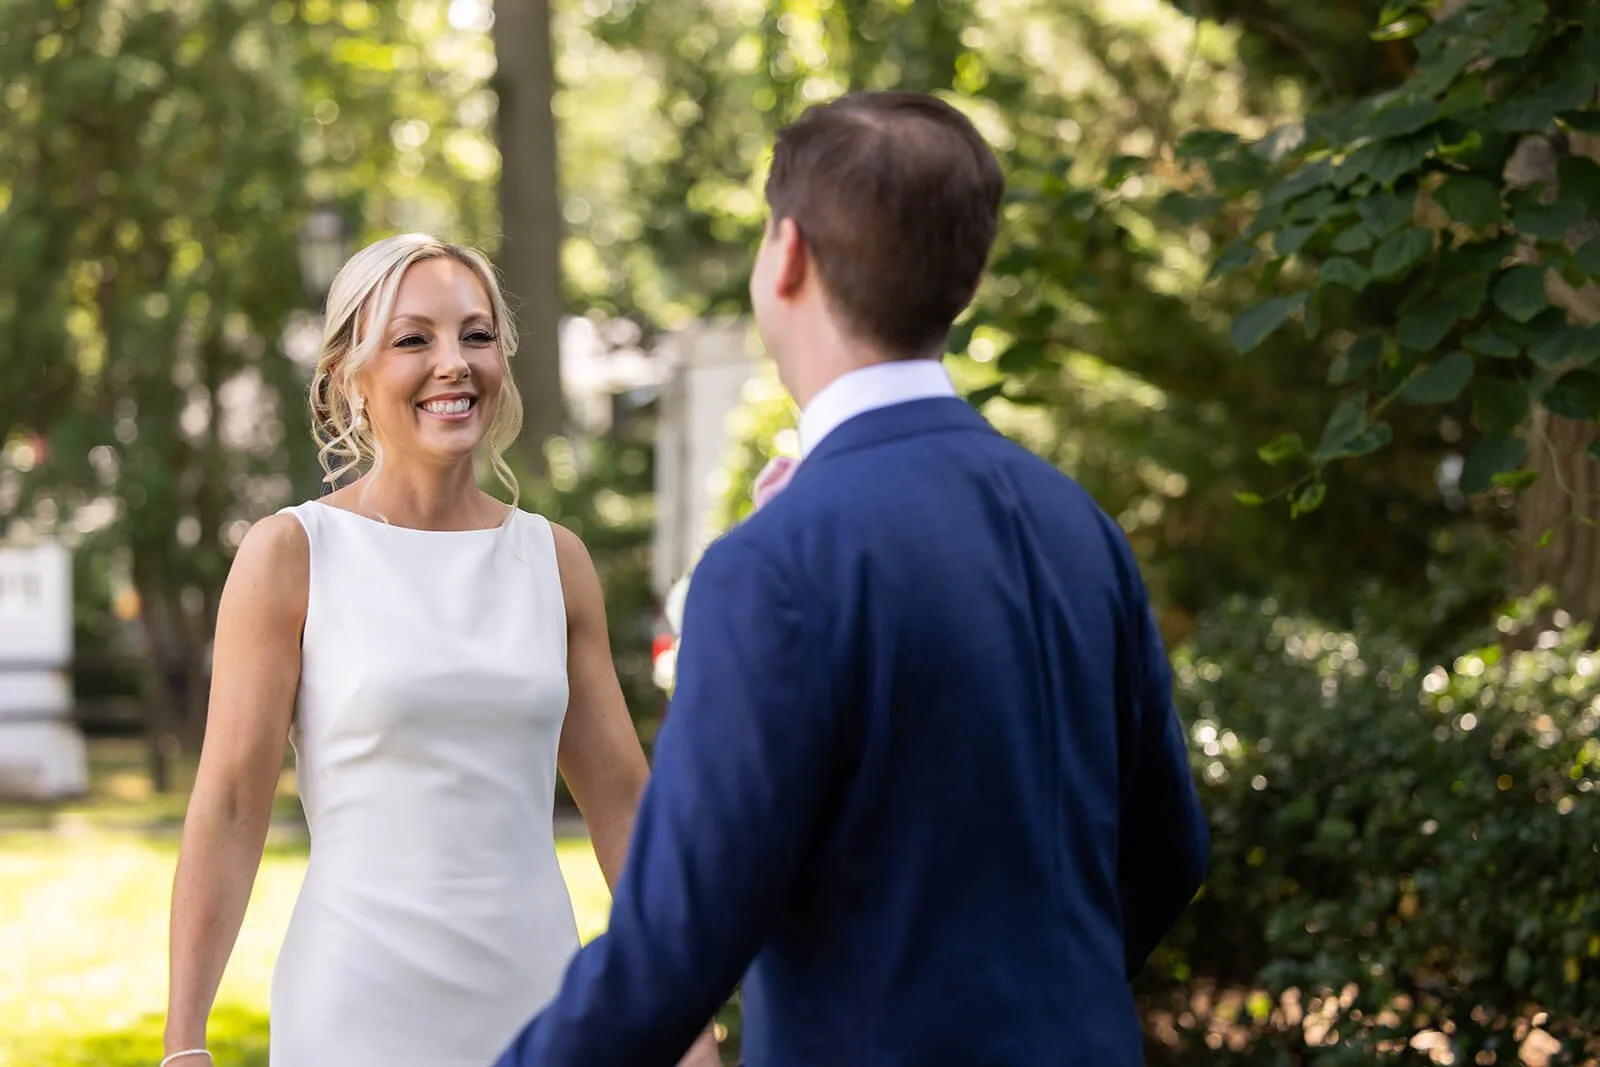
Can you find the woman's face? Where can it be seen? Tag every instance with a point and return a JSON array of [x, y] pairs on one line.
[[430, 388]]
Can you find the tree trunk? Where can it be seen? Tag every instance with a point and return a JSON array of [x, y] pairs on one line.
[[530, 214], [1563, 506]]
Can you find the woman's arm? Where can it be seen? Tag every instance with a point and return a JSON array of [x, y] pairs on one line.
[[600, 756], [255, 674]]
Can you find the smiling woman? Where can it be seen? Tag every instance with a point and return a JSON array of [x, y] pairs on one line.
[[435, 657], [415, 360]]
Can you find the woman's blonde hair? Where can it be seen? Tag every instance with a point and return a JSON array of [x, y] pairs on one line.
[[360, 304]]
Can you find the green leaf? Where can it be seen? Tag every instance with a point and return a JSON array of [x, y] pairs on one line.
[[1584, 122], [1547, 221], [1593, 451], [1422, 330], [1348, 420], [1499, 405], [1520, 292], [979, 397], [1240, 253], [1355, 238], [1442, 382], [1290, 239], [1402, 28], [1489, 457], [1308, 499], [1578, 178], [1282, 449], [1401, 120], [960, 338], [1249, 500], [1342, 271], [1545, 539], [1567, 343], [1517, 480], [1487, 342], [1536, 112], [1368, 441], [1188, 209], [1387, 212], [1399, 252], [1254, 325], [1313, 316], [1470, 200], [1022, 356], [1386, 162], [1363, 354], [1118, 170], [1588, 257], [1575, 395]]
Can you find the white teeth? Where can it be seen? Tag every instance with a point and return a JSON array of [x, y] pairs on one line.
[[448, 407]]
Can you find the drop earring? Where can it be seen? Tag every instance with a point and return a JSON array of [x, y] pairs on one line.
[[356, 421]]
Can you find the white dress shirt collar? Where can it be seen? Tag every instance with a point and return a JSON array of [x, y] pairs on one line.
[[868, 388]]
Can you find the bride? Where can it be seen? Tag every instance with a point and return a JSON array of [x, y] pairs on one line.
[[433, 656]]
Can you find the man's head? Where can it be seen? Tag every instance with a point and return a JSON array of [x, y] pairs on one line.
[[883, 212]]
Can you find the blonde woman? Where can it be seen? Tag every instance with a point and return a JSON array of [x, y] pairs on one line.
[[433, 656]]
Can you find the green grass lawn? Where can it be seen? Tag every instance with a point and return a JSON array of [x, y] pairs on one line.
[[84, 892]]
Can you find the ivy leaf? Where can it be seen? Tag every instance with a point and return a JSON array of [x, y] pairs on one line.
[[1575, 395], [1487, 342], [1578, 178], [1342, 271], [1588, 257], [1568, 342], [1442, 382], [1547, 221], [1355, 238], [1399, 252], [1290, 239], [1355, 361], [1470, 200], [1422, 330], [1386, 162], [1520, 292], [1499, 405], [1249, 500], [1254, 325], [1401, 120], [1349, 418], [1387, 212], [1021, 356], [1282, 449], [1537, 111], [1489, 457]]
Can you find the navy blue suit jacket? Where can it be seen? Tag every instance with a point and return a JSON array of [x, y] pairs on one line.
[[921, 784]]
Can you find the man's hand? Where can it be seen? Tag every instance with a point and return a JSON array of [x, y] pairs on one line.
[[703, 1053]]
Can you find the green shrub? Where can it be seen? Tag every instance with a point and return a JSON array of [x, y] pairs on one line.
[[1406, 855]]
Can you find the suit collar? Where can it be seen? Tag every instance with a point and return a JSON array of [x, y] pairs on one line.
[[908, 419], [867, 389]]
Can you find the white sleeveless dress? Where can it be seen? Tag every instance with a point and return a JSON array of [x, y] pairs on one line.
[[433, 922]]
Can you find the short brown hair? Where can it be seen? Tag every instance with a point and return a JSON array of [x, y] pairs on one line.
[[897, 197]]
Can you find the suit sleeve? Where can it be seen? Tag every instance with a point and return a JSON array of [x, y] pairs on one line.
[[733, 801], [1165, 842]]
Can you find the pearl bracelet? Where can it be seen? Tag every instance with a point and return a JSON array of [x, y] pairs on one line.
[[186, 1052]]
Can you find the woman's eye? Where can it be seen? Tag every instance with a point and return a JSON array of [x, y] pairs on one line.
[[410, 340], [480, 337]]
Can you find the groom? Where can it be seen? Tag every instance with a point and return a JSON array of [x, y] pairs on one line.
[[922, 785]]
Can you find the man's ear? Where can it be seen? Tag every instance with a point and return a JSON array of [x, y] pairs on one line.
[[794, 258]]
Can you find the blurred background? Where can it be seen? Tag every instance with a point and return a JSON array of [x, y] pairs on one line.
[[1302, 293]]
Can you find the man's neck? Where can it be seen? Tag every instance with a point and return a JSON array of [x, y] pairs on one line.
[[866, 388]]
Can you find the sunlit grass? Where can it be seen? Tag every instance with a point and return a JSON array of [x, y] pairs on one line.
[[83, 937]]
